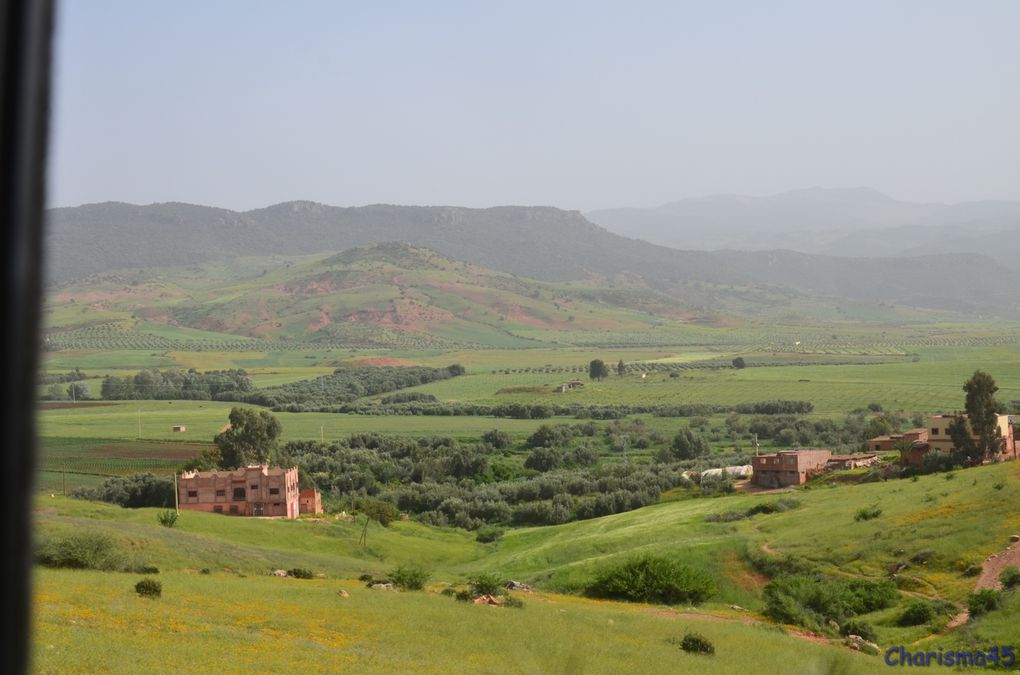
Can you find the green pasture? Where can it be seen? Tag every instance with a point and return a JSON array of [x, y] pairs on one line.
[[121, 420], [931, 384], [94, 622], [958, 521]]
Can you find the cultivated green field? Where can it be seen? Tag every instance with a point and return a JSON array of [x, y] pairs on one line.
[[518, 341]]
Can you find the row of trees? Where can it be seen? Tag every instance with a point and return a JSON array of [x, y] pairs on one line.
[[176, 384]]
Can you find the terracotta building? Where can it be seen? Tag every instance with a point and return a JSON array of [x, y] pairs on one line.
[[789, 467], [250, 491], [892, 441], [309, 501]]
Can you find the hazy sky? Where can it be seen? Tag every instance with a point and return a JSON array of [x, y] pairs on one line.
[[581, 105]]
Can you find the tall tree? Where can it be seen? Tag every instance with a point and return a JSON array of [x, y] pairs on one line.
[[597, 370], [982, 411], [250, 439], [621, 369]]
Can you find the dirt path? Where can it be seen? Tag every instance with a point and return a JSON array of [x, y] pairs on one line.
[[991, 568]]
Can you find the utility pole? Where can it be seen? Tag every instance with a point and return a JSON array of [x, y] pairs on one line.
[[139, 422], [177, 501], [756, 445]]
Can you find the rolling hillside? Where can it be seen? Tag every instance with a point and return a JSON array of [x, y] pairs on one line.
[[540, 243], [383, 294], [857, 222]]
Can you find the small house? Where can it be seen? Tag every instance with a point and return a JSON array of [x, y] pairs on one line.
[[569, 386], [893, 441], [179, 428], [789, 467], [309, 501]]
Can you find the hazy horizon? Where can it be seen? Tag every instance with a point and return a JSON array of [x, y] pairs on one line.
[[241, 105]]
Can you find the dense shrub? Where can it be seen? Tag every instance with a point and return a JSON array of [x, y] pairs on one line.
[[497, 439], [696, 643], [409, 577], [149, 588], [983, 601], [916, 613], [135, 491], [489, 533], [867, 513], [811, 601], [858, 627], [300, 573], [653, 579], [1010, 577], [82, 550], [167, 518], [485, 583]]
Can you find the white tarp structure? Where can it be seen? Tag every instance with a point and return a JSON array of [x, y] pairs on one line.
[[737, 472]]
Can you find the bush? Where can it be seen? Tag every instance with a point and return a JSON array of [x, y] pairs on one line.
[[867, 513], [813, 601], [149, 588], [146, 569], [167, 518], [488, 534], [485, 584], [653, 579], [696, 643], [83, 551], [861, 628], [1010, 577], [916, 613], [409, 577], [134, 491], [511, 601], [205, 570], [300, 573], [983, 601]]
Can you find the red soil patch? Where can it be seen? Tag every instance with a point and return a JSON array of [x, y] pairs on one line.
[[61, 405], [991, 568], [405, 315], [381, 361], [324, 320], [741, 575]]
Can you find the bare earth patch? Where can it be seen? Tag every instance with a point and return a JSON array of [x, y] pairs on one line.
[[989, 578]]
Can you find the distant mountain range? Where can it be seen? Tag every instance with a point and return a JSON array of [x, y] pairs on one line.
[[858, 222], [540, 243]]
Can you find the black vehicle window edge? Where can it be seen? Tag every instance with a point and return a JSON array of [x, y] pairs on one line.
[[26, 27]]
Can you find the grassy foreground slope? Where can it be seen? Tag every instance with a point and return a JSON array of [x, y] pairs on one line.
[[954, 522]]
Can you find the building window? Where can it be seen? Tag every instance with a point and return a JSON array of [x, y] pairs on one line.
[[221, 493], [233, 508], [276, 503], [274, 491], [934, 431], [238, 494], [192, 493], [254, 487], [218, 508]]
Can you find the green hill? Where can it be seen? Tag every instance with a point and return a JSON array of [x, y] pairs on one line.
[[384, 294], [542, 243], [939, 527]]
